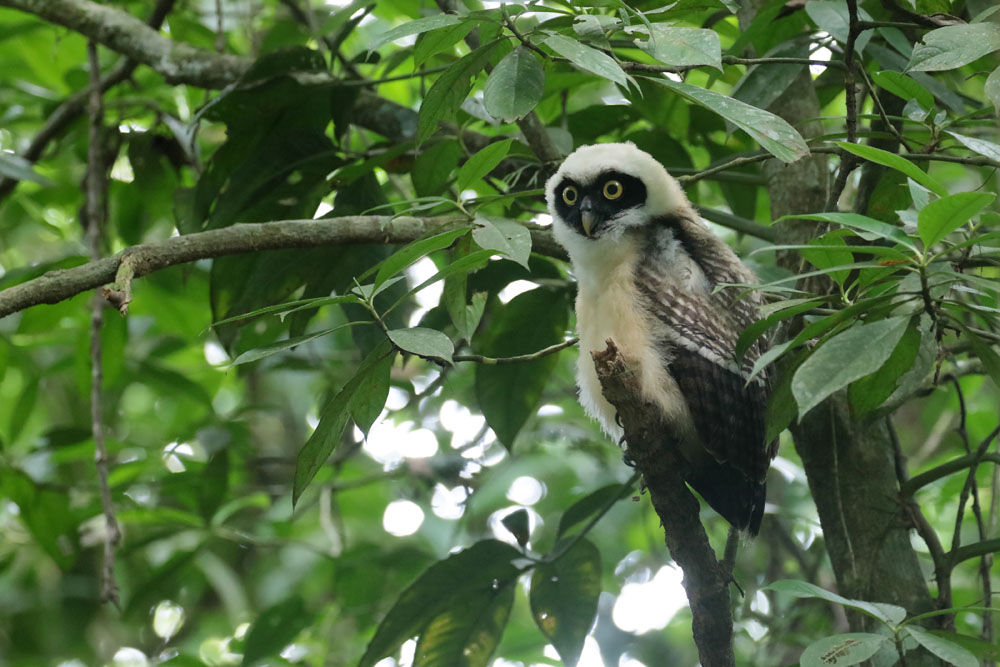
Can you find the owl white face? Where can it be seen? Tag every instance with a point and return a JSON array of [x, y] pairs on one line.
[[602, 190]]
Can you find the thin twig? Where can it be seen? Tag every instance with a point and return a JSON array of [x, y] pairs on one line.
[[881, 110], [630, 66], [509, 22], [567, 546], [942, 570], [848, 161], [95, 222], [366, 83], [971, 487], [494, 361]]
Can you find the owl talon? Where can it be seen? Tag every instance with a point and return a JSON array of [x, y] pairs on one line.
[[618, 419], [626, 459]]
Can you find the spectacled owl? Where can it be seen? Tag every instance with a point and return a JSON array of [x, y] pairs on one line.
[[647, 269]]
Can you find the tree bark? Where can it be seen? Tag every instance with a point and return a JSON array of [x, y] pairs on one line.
[[849, 466], [706, 580]]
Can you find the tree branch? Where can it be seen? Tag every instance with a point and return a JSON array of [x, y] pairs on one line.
[[141, 260], [914, 484], [705, 580], [973, 550], [499, 361], [96, 195]]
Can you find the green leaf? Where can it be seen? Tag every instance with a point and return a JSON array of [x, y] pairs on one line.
[[879, 156], [468, 631], [45, 512], [833, 17], [461, 266], [414, 27], [791, 308], [505, 410], [474, 573], [503, 235], [333, 419], [213, 484], [873, 228], [587, 59], [564, 595], [948, 651], [17, 168], [368, 399], [518, 524], [980, 648], [282, 345], [274, 629], [451, 88], [841, 650], [781, 405], [591, 504], [953, 46], [411, 253], [482, 163], [290, 306], [515, 86], [870, 392], [986, 354], [433, 167], [943, 216], [887, 613], [773, 133], [844, 358], [981, 146], [992, 89], [828, 251], [432, 43], [763, 84], [369, 292], [904, 87], [423, 342], [680, 47]]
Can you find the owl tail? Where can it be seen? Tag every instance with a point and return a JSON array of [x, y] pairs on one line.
[[732, 494]]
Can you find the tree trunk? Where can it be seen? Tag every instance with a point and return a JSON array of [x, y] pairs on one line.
[[850, 467]]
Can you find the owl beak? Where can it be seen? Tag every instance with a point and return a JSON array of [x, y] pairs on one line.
[[587, 215]]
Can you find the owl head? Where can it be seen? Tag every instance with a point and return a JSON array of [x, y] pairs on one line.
[[601, 191]]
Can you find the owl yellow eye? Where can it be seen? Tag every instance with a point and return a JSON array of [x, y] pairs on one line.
[[569, 195], [613, 189]]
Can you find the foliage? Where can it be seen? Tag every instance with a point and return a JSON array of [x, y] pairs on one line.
[[270, 415]]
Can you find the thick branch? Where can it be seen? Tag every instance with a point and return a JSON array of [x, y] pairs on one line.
[[140, 260], [945, 469], [122, 32], [705, 580]]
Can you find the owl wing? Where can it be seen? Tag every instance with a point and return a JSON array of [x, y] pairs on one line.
[[700, 334]]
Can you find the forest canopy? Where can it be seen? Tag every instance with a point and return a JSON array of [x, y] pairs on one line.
[[287, 348]]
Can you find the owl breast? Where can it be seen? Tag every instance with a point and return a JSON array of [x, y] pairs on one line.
[[609, 305]]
